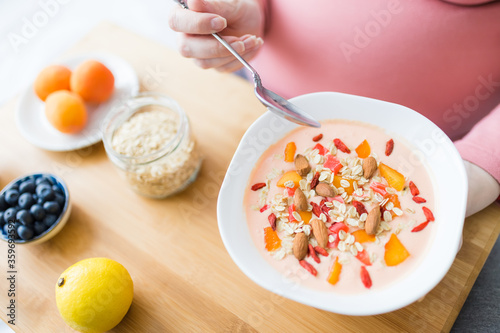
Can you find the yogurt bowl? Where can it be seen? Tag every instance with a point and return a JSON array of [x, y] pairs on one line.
[[428, 145]]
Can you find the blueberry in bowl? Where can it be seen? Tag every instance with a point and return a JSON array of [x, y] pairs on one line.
[[33, 208]]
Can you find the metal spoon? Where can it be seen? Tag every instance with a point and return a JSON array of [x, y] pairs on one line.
[[273, 101]]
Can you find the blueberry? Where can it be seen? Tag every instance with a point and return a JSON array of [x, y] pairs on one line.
[[3, 204], [60, 200], [24, 217], [52, 207], [35, 197], [2, 222], [11, 196], [44, 180], [45, 192], [25, 232], [10, 230], [15, 186], [38, 212], [10, 215], [5, 229], [26, 200], [28, 186], [57, 189], [50, 219], [39, 227]]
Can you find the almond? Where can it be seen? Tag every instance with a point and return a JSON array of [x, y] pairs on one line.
[[369, 167], [325, 190], [302, 165], [300, 245], [372, 221], [300, 200], [320, 232]]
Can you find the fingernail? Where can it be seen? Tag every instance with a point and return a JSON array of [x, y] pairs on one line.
[[218, 23], [250, 42], [238, 46]]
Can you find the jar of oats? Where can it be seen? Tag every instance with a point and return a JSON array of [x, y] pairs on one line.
[[149, 139]]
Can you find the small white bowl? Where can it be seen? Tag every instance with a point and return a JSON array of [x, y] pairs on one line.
[[426, 140], [58, 224]]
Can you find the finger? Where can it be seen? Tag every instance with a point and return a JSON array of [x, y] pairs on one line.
[[235, 64], [191, 22], [250, 43], [207, 47], [222, 8]]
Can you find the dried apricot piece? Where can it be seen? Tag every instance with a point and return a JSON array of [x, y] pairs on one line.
[[290, 150], [337, 182], [273, 242], [395, 252], [335, 271], [395, 179], [362, 237], [289, 176], [363, 150]]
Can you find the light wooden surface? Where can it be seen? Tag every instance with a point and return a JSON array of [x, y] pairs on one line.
[[184, 279]]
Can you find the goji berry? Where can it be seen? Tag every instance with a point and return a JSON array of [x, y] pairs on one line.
[[389, 146], [341, 146], [316, 209], [428, 214], [315, 180], [365, 277], [272, 221], [318, 137], [312, 252], [360, 208], [419, 200], [258, 186], [414, 189], [321, 251], [308, 267], [420, 227], [264, 208]]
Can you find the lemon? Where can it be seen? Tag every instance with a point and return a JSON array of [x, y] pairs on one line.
[[94, 294]]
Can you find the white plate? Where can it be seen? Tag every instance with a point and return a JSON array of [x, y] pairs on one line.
[[34, 126], [427, 140]]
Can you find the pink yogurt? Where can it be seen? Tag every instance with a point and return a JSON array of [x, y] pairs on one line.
[[352, 134]]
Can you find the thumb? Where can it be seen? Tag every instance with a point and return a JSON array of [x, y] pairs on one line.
[[222, 8]]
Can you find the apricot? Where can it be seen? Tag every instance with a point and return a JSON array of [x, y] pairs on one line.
[[290, 175], [395, 252], [93, 81], [363, 150], [336, 182], [66, 111], [335, 271], [290, 151], [361, 236], [273, 242], [395, 179], [50, 79], [306, 216]]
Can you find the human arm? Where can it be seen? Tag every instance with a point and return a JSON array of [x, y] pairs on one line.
[[240, 22], [481, 150]]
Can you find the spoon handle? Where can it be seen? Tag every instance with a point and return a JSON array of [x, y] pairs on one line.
[[227, 46]]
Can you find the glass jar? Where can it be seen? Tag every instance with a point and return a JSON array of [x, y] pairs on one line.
[[149, 139]]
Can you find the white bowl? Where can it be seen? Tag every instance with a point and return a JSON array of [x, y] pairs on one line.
[[58, 224], [426, 140]]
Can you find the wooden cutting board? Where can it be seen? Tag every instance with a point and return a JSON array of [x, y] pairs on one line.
[[183, 277]]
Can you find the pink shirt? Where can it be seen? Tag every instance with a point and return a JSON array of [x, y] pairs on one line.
[[437, 57]]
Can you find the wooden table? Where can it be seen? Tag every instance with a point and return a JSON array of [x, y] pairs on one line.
[[184, 279]]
